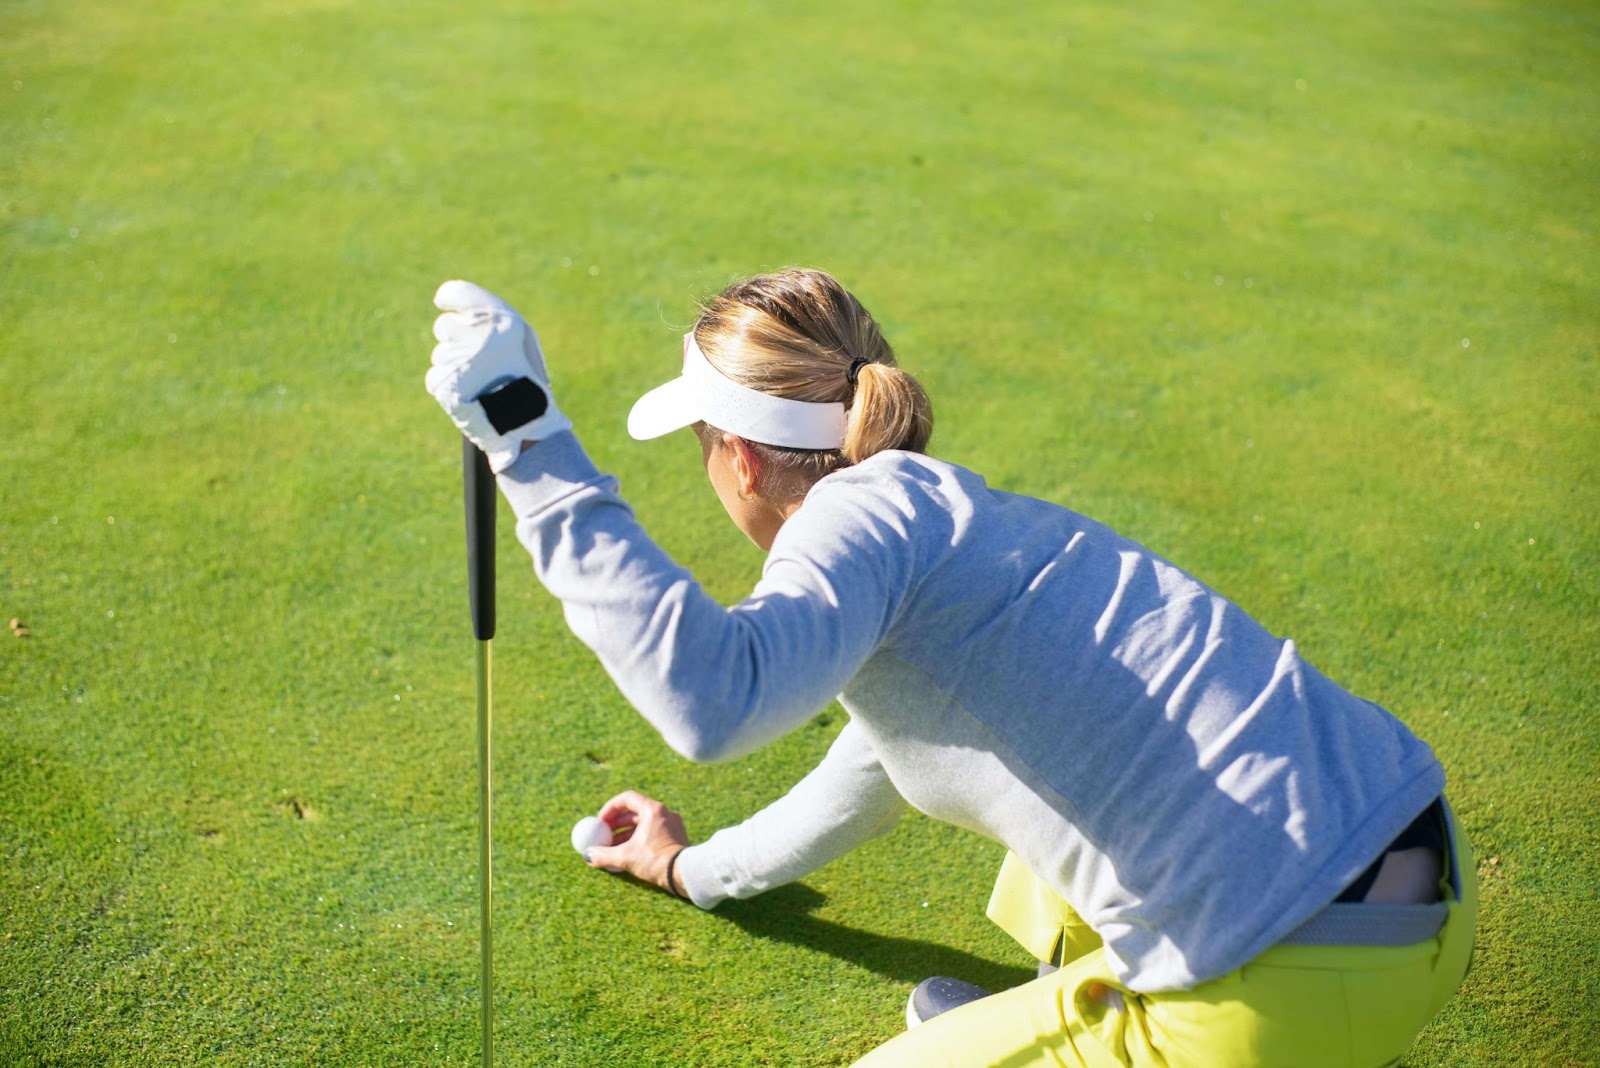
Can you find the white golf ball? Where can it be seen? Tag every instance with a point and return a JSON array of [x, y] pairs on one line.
[[590, 831]]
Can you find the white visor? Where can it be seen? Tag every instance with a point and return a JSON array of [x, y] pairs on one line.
[[704, 393]]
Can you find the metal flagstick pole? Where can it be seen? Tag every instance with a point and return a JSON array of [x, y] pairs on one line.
[[479, 490]]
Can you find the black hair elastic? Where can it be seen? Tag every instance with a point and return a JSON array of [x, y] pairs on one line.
[[855, 369]]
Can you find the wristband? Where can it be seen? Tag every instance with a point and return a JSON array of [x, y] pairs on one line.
[[672, 864]]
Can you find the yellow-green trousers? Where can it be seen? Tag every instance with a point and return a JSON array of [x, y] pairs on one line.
[[1301, 1005]]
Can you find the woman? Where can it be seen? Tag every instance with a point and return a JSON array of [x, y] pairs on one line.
[[1219, 856]]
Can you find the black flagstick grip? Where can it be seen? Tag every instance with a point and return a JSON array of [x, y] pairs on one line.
[[478, 484], [479, 490]]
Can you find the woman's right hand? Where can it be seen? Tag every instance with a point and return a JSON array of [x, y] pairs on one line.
[[647, 835]]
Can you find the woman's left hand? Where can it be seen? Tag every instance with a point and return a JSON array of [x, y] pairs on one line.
[[646, 836], [489, 373]]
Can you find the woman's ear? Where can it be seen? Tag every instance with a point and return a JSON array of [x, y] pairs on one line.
[[746, 464]]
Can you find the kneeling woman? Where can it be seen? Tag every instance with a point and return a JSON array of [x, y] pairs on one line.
[[1220, 856]]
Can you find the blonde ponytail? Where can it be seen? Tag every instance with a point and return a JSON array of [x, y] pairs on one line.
[[889, 411], [800, 334]]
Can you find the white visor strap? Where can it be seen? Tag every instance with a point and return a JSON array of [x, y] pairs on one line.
[[709, 395]]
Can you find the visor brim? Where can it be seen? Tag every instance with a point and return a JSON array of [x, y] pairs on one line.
[[668, 407]]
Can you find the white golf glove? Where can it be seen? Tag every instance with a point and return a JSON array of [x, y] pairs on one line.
[[489, 375]]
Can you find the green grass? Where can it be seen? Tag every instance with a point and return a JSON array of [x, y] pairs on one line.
[[1302, 297]]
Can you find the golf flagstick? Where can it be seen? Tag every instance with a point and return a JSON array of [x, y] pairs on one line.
[[479, 489]]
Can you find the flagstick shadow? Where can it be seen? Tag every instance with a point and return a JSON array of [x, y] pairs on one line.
[[785, 914]]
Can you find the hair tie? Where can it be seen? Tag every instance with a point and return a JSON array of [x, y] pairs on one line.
[[855, 369]]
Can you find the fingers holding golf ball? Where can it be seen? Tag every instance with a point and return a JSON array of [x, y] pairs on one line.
[[646, 836], [591, 832]]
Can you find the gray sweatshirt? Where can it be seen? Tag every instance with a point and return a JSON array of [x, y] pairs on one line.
[[1189, 784]]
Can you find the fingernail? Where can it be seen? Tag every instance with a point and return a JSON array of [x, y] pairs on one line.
[[586, 859]]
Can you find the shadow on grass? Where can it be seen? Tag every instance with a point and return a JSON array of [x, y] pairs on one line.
[[784, 914]]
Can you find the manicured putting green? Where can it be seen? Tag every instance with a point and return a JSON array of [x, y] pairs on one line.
[[1302, 297]]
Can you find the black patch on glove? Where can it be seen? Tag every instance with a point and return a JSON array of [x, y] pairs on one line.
[[513, 403]]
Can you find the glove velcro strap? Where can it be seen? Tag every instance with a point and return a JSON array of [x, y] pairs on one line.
[[513, 402]]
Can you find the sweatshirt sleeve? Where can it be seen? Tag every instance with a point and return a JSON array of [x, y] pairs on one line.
[[845, 801], [716, 682]]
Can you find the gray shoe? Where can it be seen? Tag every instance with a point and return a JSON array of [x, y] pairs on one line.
[[938, 994]]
